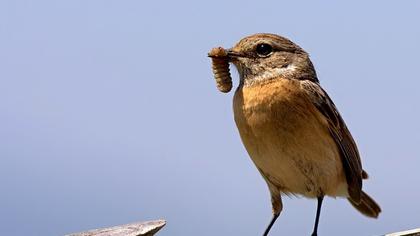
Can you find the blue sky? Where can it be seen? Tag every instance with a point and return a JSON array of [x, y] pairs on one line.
[[109, 114]]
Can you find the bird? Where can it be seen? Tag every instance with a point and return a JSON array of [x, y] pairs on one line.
[[291, 128]]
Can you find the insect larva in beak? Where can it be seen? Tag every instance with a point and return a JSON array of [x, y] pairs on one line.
[[220, 66]]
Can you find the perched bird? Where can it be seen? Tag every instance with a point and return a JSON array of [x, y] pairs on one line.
[[291, 129]]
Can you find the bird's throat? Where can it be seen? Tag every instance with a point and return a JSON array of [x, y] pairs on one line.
[[251, 79]]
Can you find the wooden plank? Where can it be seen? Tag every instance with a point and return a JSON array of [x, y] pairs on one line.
[[413, 232], [146, 228]]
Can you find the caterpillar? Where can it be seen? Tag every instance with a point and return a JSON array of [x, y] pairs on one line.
[[220, 66]]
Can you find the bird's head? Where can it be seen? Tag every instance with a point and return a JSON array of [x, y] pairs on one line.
[[263, 57]]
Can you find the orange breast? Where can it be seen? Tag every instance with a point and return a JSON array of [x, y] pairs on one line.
[[287, 138]]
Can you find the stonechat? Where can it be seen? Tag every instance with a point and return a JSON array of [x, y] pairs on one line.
[[290, 127]]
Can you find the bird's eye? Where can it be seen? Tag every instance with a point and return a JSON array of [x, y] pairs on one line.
[[264, 49]]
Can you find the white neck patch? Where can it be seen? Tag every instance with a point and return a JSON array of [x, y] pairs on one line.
[[272, 73]]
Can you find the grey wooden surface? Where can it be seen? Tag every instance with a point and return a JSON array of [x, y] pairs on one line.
[[413, 232], [149, 228], [145, 228]]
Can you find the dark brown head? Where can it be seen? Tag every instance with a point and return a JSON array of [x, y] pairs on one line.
[[262, 57]]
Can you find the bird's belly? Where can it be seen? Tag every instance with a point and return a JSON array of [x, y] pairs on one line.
[[290, 146]]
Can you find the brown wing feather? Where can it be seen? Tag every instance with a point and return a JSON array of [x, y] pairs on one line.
[[348, 150]]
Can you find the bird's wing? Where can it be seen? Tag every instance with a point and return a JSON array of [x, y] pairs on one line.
[[342, 137]]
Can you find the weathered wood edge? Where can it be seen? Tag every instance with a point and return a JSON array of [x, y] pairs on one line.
[[145, 228], [413, 232]]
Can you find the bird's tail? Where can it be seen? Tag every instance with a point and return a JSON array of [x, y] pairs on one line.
[[367, 206]]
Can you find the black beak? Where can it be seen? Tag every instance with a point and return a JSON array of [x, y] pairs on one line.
[[233, 54], [229, 54]]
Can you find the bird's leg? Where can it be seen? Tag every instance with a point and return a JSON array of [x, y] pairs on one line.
[[276, 204], [275, 216], [318, 212]]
